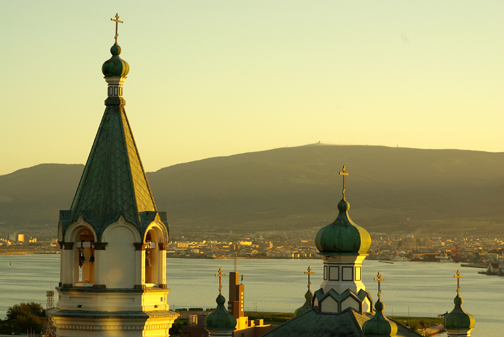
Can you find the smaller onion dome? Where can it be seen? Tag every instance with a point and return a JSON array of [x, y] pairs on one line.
[[379, 325], [343, 235], [115, 66], [220, 319], [306, 306], [458, 319]]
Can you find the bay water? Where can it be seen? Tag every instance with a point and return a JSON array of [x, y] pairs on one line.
[[278, 285]]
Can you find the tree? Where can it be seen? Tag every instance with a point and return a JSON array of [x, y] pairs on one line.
[[23, 317]]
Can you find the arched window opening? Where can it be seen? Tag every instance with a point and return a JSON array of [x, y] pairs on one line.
[[151, 258], [85, 257]]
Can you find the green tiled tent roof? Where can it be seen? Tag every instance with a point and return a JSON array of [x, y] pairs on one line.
[[113, 182], [346, 324]]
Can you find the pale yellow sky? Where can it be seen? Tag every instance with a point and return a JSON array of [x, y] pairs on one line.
[[213, 78]]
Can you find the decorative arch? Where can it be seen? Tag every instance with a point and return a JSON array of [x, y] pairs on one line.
[[73, 230], [81, 253], [120, 268], [155, 241], [160, 229], [121, 223]]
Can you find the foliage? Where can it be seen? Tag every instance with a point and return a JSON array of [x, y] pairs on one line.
[[271, 317], [23, 317], [418, 324], [176, 328], [425, 320]]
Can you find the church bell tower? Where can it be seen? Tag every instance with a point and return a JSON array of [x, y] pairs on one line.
[[113, 239]]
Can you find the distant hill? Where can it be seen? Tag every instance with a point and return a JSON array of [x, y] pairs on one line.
[[389, 189]]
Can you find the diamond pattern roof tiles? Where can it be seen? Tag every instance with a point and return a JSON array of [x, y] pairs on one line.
[[113, 182], [345, 324]]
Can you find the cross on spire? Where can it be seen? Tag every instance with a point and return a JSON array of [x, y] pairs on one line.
[[458, 276], [220, 274], [379, 279], [117, 21], [309, 272], [344, 173]]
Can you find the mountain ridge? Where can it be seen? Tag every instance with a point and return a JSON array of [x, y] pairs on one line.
[[390, 189]]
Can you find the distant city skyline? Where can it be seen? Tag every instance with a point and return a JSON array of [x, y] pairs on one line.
[[225, 77]]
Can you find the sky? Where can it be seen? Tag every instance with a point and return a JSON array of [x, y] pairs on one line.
[[217, 78]]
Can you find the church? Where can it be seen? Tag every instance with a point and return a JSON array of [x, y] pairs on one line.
[[113, 238], [113, 243], [342, 306]]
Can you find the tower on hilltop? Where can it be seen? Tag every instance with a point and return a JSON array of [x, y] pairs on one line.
[[113, 239]]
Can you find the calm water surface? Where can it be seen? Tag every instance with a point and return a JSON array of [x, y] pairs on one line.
[[422, 289]]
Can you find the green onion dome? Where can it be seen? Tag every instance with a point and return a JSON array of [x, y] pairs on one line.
[[458, 319], [379, 325], [115, 66], [306, 306], [343, 235], [220, 319]]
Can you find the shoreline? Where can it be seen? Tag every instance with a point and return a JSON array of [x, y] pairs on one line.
[[29, 252]]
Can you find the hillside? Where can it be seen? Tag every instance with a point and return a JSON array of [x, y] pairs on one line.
[[389, 189]]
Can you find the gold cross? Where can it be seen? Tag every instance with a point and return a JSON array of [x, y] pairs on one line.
[[117, 24], [344, 173], [458, 276], [309, 272], [379, 279], [220, 274]]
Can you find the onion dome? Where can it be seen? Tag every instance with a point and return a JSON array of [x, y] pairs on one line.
[[220, 319], [343, 235], [458, 319], [306, 306], [115, 66], [380, 325]]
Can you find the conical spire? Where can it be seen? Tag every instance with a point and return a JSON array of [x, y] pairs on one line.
[[113, 183]]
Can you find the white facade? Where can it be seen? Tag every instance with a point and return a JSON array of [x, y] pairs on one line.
[[123, 292], [342, 285]]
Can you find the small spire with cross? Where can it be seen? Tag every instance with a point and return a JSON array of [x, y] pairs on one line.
[[117, 21], [309, 273], [458, 276], [344, 173], [379, 279], [220, 274]]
